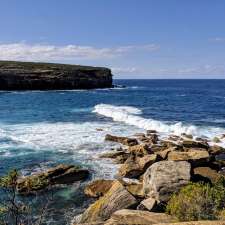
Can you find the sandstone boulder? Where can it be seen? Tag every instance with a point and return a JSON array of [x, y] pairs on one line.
[[127, 217], [210, 222], [121, 140], [134, 186], [139, 150], [115, 199], [207, 173], [165, 178], [134, 168], [194, 144], [147, 204], [194, 156], [216, 150], [98, 188]]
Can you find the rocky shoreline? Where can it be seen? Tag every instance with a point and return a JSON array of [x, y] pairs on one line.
[[51, 76], [152, 170]]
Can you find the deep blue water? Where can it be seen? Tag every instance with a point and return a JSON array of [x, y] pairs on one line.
[[41, 129]]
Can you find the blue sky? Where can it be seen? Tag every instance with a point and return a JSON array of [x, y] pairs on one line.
[[136, 38]]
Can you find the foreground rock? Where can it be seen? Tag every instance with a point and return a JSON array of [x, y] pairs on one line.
[[49, 76], [126, 216], [121, 140], [115, 199], [62, 174], [216, 222], [165, 178], [98, 188]]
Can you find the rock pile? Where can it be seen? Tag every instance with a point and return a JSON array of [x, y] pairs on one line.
[[152, 169]]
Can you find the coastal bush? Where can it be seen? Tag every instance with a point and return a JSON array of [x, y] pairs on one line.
[[15, 211], [198, 201]]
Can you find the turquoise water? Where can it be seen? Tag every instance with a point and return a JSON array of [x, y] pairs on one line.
[[42, 129]]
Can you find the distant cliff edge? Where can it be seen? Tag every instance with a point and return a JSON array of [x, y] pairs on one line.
[[51, 76]]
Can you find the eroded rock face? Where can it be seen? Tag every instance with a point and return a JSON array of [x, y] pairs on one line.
[[121, 140], [115, 199], [165, 178], [49, 76], [98, 188], [61, 174], [127, 216]]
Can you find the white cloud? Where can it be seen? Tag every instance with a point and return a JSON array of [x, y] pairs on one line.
[[217, 39], [44, 52], [125, 70]]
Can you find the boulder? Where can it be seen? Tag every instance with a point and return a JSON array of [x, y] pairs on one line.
[[121, 140], [112, 154], [98, 188], [194, 144], [164, 154], [188, 136], [165, 178], [153, 138], [115, 199], [216, 140], [149, 132], [134, 168], [216, 150], [126, 216], [207, 173], [194, 156], [139, 150], [61, 174], [210, 222], [147, 204], [134, 186]]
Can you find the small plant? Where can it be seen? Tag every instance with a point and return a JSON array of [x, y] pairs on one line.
[[13, 211], [198, 201]]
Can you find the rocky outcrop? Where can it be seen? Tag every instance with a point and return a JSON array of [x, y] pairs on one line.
[[62, 174], [115, 199], [49, 76], [164, 178]]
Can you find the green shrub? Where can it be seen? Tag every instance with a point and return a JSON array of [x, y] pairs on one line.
[[198, 201]]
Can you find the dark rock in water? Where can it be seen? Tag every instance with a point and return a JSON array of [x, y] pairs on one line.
[[50, 76], [62, 174]]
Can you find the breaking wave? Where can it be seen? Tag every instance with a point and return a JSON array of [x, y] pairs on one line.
[[132, 116]]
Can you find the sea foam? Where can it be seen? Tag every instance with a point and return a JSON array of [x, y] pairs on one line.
[[132, 116]]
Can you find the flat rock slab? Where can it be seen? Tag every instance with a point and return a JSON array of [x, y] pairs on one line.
[[216, 222], [127, 216]]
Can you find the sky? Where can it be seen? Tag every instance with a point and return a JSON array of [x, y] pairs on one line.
[[135, 38]]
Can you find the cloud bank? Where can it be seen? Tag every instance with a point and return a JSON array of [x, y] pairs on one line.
[[44, 52]]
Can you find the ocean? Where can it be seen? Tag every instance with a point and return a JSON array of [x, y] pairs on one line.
[[42, 129]]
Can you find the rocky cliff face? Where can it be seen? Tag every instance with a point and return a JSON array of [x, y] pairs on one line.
[[49, 76]]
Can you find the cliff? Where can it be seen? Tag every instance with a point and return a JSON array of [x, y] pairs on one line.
[[50, 76]]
